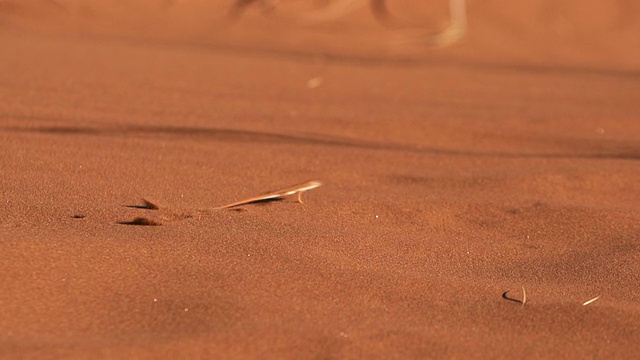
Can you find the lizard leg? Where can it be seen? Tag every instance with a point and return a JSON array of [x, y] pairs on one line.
[[300, 197]]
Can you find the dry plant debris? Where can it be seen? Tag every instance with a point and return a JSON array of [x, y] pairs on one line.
[[505, 295], [590, 301]]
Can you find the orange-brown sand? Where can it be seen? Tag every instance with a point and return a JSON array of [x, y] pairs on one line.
[[510, 159]]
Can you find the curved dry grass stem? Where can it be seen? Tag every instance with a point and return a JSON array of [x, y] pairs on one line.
[[505, 295]]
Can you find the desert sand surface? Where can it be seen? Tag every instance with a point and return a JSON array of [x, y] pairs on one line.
[[506, 162]]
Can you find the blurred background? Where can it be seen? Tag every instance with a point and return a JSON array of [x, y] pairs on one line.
[[600, 33]]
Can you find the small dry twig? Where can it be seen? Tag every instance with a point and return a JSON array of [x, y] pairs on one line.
[[524, 297], [590, 301]]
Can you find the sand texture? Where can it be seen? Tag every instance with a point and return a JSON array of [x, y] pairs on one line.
[[452, 178]]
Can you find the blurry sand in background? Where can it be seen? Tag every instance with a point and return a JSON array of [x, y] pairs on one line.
[[602, 33]]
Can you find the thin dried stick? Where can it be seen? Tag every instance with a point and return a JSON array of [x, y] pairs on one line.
[[590, 301]]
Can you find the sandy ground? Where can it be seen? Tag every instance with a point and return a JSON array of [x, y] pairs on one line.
[[509, 160]]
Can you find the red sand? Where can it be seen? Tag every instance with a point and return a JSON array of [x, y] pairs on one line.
[[508, 160]]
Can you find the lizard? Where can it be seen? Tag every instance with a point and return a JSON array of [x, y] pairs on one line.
[[276, 195], [269, 196]]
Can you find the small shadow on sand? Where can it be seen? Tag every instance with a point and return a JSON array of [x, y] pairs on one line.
[[140, 221], [264, 201], [146, 204], [507, 297], [256, 202]]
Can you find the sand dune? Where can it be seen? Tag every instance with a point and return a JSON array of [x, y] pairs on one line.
[[507, 160]]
